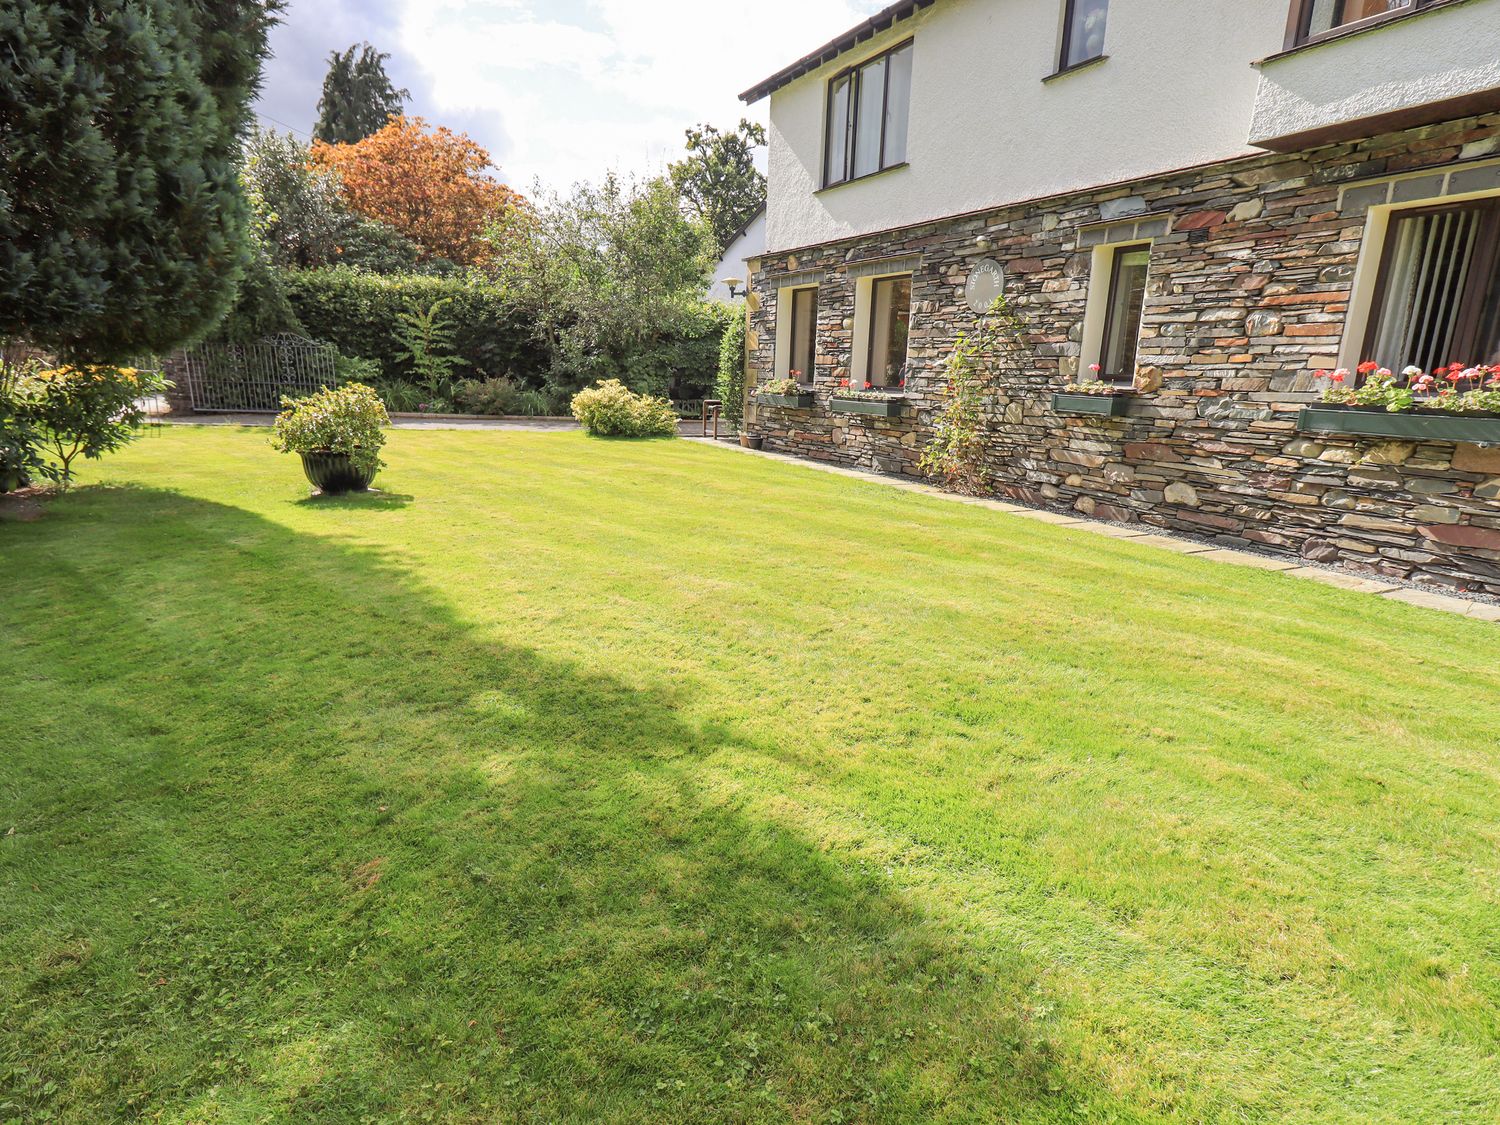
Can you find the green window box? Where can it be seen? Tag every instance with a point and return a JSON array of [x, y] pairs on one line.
[[1103, 406], [880, 408], [788, 402], [1382, 423]]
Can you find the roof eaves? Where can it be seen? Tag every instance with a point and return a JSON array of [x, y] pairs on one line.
[[750, 222], [882, 20]]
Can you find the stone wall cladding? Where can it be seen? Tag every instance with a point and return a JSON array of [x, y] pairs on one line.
[[1240, 323]]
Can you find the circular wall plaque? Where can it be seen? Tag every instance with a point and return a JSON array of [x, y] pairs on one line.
[[986, 283]]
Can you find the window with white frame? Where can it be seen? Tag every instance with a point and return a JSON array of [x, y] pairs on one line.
[[1117, 302], [800, 324], [796, 334], [868, 115], [887, 329]]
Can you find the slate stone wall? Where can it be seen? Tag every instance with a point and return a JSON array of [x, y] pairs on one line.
[[1246, 306]]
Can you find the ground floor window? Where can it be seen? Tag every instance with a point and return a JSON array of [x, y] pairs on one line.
[[803, 333], [890, 330], [1122, 323], [1437, 299]]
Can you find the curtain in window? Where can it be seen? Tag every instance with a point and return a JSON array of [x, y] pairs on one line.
[[1127, 301], [1085, 33], [890, 327], [1425, 284], [804, 334], [840, 122], [871, 115], [897, 106]]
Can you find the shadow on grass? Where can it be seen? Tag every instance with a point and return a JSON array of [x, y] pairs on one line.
[[372, 500], [293, 841]]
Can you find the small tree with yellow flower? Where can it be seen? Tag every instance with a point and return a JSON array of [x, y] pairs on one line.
[[85, 411]]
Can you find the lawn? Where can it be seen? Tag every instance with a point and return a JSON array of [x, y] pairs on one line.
[[587, 781]]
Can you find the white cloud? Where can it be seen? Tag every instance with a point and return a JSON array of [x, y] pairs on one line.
[[563, 90], [582, 86]]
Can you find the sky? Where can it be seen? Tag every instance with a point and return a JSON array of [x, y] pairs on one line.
[[557, 90]]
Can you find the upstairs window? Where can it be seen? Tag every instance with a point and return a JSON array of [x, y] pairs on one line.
[[1438, 297], [1083, 32], [868, 112], [1317, 19]]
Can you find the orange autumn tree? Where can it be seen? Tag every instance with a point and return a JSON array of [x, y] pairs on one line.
[[432, 186]]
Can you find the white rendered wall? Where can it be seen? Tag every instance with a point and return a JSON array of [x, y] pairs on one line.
[[735, 262], [1445, 52], [1178, 89]]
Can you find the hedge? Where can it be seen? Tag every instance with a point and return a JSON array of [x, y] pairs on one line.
[[730, 388], [357, 312], [685, 366]]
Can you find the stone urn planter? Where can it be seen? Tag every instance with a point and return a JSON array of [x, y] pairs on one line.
[[334, 474], [338, 432]]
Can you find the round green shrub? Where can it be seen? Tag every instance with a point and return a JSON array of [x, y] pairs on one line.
[[609, 409]]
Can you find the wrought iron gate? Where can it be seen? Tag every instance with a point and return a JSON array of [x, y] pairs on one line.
[[244, 378]]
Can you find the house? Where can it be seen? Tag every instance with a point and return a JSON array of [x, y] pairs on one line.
[[1217, 203], [734, 264]]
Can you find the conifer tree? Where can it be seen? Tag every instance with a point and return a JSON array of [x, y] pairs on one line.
[[123, 226], [358, 98]]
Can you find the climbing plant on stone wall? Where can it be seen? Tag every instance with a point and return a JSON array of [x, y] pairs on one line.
[[956, 454]]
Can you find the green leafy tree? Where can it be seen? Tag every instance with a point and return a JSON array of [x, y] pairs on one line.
[[123, 224], [719, 181], [603, 273], [299, 210], [303, 219], [21, 459], [358, 98], [261, 307]]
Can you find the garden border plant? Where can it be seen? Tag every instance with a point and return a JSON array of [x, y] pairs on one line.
[[730, 384], [610, 409]]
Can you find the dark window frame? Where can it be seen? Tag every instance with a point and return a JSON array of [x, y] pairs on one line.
[[1070, 11], [911, 296], [791, 359], [855, 74], [1471, 301], [1116, 268], [1299, 31]]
